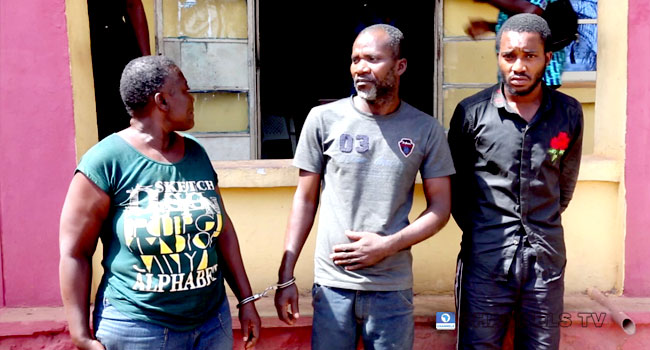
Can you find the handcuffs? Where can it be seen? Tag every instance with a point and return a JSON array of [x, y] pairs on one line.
[[258, 296]]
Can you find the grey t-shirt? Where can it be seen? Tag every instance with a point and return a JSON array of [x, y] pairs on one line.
[[369, 164]]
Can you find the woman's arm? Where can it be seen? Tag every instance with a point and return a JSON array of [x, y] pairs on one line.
[[235, 275], [85, 208]]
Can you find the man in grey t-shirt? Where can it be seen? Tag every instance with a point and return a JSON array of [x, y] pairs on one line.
[[364, 152]]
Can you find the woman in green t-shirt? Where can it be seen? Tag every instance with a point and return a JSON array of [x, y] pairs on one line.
[[151, 195]]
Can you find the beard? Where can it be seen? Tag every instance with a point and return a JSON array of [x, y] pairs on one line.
[[369, 95], [378, 88], [537, 79]]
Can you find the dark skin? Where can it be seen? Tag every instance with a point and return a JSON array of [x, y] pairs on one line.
[[365, 248], [86, 207], [373, 61], [514, 6], [79, 232], [235, 275], [136, 13], [522, 61], [301, 219], [478, 27]]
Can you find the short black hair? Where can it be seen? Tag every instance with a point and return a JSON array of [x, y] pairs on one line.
[[142, 78], [526, 23], [396, 37]]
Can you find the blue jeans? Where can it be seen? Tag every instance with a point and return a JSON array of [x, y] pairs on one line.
[[384, 320], [116, 332]]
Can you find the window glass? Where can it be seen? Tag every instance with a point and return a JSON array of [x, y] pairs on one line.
[[220, 112], [205, 19], [581, 54]]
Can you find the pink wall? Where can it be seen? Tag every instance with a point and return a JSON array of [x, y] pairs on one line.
[[36, 147], [637, 163]]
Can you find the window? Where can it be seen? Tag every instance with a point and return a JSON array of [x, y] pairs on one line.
[[245, 112], [581, 54], [304, 55], [213, 43]]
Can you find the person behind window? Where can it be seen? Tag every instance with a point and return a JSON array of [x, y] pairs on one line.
[[507, 8], [152, 196]]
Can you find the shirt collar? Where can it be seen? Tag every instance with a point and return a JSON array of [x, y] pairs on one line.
[[499, 99]]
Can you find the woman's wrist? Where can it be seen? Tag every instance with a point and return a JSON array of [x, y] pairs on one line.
[[255, 297]]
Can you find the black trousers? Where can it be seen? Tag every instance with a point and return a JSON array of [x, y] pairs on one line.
[[486, 306]]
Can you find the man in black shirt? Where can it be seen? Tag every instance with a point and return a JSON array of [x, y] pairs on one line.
[[516, 148]]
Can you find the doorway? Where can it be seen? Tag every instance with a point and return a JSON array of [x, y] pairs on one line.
[[304, 59]]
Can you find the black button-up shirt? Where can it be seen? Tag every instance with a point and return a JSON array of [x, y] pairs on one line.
[[513, 179]]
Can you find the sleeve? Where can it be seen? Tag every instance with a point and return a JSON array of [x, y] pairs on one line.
[[540, 3], [309, 152], [437, 161], [570, 162], [96, 166], [461, 145]]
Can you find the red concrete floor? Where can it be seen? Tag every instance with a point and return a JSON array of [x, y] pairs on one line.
[[591, 328]]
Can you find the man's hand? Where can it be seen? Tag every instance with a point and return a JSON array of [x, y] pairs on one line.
[[250, 324], [367, 249], [477, 27], [286, 304]]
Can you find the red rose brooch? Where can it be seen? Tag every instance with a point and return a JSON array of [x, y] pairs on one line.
[[559, 144]]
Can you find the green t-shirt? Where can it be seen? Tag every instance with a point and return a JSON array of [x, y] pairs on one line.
[[160, 253]]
